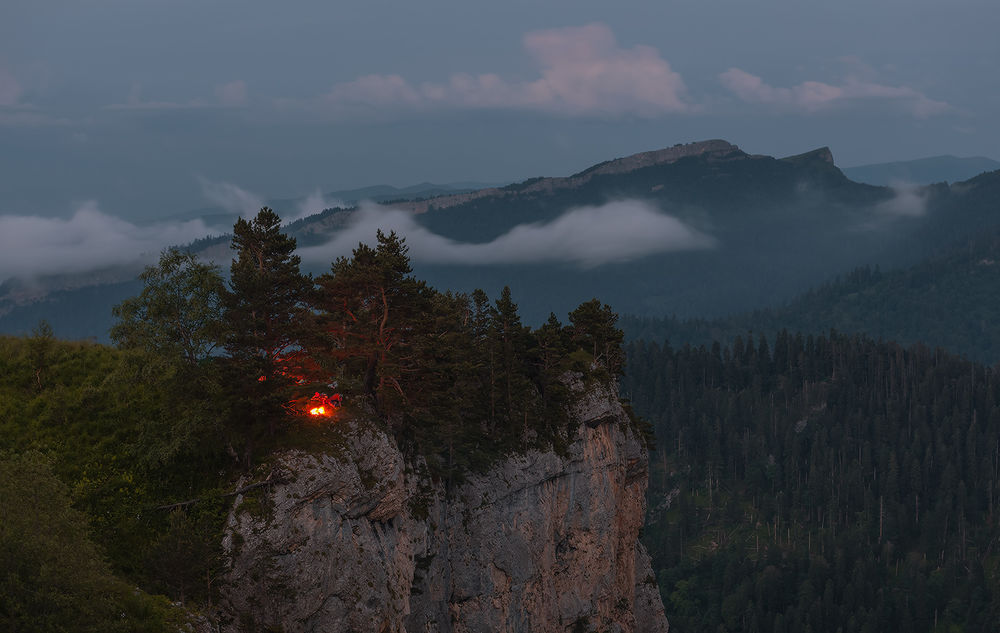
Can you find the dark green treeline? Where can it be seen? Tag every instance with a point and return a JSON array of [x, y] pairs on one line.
[[819, 484]]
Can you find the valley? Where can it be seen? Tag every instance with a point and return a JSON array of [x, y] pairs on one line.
[[807, 386]]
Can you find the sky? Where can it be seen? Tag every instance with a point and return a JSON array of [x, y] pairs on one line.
[[142, 110]]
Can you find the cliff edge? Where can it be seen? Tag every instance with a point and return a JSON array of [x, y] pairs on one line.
[[541, 542]]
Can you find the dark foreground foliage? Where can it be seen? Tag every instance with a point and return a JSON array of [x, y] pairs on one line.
[[71, 496]]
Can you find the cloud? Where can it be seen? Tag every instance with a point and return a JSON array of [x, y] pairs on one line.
[[28, 116], [585, 236], [910, 201], [812, 96], [135, 101], [32, 246], [14, 112], [583, 72], [231, 197], [232, 94], [10, 89], [239, 201], [313, 204], [228, 95]]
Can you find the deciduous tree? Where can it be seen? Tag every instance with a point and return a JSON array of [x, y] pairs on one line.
[[179, 311]]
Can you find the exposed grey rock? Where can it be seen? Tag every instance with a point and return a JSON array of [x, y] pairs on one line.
[[541, 542]]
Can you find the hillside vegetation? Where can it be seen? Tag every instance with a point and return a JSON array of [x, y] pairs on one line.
[[922, 170], [822, 484], [951, 300], [77, 498], [145, 444]]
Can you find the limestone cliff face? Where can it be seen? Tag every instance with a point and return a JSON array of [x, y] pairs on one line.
[[355, 542]]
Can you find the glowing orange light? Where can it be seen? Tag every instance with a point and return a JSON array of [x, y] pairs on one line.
[[262, 379], [317, 411]]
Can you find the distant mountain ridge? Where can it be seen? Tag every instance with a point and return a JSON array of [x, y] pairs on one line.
[[823, 154], [713, 150], [348, 197], [779, 225], [922, 171], [949, 300]]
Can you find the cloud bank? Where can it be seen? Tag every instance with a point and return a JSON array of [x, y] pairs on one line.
[[231, 197], [232, 94], [813, 96], [10, 88], [33, 247], [583, 72], [14, 111], [89, 241], [246, 204], [228, 95], [314, 203], [910, 201], [585, 236]]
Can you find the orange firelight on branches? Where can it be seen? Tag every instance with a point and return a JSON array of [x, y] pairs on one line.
[[322, 405]]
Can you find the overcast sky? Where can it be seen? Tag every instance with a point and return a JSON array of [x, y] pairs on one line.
[[147, 107]]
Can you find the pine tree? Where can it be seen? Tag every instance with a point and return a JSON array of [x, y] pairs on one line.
[[511, 341], [265, 314], [595, 330], [371, 310]]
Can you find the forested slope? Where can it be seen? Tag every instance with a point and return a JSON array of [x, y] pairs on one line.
[[950, 300], [79, 496], [822, 484]]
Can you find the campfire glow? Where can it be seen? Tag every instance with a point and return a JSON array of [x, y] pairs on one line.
[[322, 406], [295, 369]]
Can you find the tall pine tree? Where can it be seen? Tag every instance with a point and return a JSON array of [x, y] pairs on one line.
[[265, 313], [371, 310]]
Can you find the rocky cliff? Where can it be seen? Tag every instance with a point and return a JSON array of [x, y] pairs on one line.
[[357, 542]]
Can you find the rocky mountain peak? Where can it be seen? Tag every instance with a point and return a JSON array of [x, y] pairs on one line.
[[712, 148], [823, 154], [715, 148]]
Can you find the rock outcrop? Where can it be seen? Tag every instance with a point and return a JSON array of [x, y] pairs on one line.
[[821, 155], [357, 542]]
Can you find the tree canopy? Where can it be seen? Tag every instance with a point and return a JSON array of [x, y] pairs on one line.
[[821, 483], [267, 293], [440, 369], [265, 311], [179, 311], [52, 576], [370, 311]]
